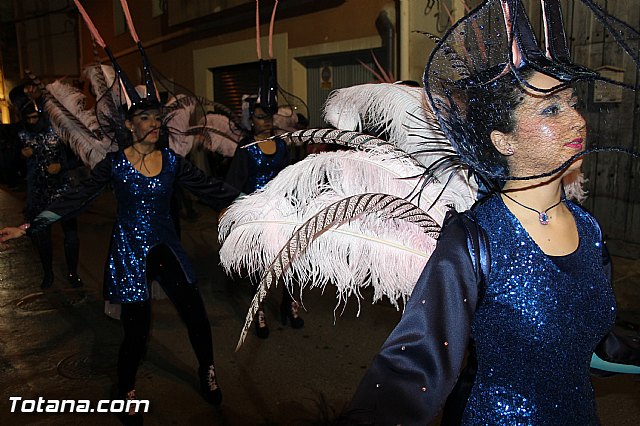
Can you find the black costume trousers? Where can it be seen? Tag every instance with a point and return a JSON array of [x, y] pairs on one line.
[[44, 244], [162, 266]]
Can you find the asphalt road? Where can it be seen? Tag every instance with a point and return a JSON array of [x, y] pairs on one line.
[[59, 344]]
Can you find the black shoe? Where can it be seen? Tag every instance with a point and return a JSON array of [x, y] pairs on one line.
[[290, 313], [209, 387], [75, 281], [131, 417], [262, 329], [47, 281]]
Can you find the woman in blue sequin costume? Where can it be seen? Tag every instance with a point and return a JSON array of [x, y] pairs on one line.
[[252, 167], [539, 314], [523, 279], [144, 245]]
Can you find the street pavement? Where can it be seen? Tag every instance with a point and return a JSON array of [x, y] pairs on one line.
[[59, 344]]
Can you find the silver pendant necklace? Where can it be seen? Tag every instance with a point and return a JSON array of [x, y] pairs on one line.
[[543, 216]]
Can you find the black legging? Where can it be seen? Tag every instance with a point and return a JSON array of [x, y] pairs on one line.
[[163, 267], [44, 244]]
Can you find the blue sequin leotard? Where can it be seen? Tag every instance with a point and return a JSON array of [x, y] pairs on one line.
[[143, 221], [143, 216], [252, 169], [537, 326]]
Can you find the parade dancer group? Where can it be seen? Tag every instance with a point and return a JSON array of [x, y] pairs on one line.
[[524, 271]]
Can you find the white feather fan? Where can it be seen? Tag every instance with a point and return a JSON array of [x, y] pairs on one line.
[[217, 133], [386, 254], [76, 125]]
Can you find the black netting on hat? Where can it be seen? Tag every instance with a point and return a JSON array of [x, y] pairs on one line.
[[476, 76], [183, 113]]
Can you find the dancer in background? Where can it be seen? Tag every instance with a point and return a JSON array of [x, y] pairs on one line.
[[144, 245], [252, 167], [50, 166]]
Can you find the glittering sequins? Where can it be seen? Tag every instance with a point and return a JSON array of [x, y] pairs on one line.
[[264, 167], [537, 326], [43, 187], [143, 221]]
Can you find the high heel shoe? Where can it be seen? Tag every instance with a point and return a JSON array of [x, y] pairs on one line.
[[262, 329], [209, 387], [289, 311]]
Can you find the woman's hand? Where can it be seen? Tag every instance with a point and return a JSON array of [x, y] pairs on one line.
[[10, 233]]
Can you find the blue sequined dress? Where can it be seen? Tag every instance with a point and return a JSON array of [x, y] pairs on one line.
[[251, 169], [535, 322], [143, 216]]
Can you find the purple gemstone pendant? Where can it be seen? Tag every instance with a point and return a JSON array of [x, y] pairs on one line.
[[543, 217]]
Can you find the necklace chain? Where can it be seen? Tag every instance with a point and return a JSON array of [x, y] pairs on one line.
[[543, 215], [142, 154]]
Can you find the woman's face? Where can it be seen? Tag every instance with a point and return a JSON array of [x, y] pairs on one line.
[[262, 121], [548, 130], [145, 126]]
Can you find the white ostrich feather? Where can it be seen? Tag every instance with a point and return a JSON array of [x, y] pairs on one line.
[[399, 112], [101, 78], [382, 253], [574, 186], [285, 120], [178, 121], [74, 101], [374, 169], [385, 105], [355, 273], [74, 124], [370, 250], [217, 133]]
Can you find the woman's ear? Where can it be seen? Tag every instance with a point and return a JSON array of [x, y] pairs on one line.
[[129, 125], [502, 142]]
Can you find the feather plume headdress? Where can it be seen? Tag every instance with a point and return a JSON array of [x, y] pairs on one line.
[[493, 48], [342, 218], [92, 133]]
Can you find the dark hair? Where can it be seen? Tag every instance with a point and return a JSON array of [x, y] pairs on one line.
[[302, 120], [483, 108]]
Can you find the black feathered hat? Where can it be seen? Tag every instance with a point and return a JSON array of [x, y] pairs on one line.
[[494, 45]]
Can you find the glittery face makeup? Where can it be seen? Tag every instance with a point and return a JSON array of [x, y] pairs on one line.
[[145, 126], [548, 131]]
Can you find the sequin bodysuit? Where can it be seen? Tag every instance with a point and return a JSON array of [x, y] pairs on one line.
[[252, 169], [143, 216], [535, 326]]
